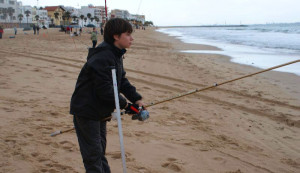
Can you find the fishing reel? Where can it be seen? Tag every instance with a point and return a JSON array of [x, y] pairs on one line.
[[137, 112], [142, 115]]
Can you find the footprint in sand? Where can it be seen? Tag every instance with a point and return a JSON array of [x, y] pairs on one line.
[[173, 165], [66, 145], [55, 167], [52, 144], [117, 155], [290, 162], [35, 154], [8, 109], [27, 134], [237, 171], [142, 169], [218, 158]]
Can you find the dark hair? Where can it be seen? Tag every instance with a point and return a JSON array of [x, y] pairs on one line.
[[115, 26]]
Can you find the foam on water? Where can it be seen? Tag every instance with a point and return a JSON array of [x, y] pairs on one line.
[[261, 46]]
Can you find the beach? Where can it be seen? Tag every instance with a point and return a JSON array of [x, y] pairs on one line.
[[250, 125]]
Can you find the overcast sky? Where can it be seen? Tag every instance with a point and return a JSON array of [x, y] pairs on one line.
[[197, 12]]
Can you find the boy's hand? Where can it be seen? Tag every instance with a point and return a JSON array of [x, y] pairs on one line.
[[140, 103], [132, 109]]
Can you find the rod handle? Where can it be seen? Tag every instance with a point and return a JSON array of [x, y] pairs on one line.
[[55, 133]]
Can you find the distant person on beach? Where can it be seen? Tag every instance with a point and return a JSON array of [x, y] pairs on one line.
[[38, 29], [34, 29], [68, 30], [15, 29], [101, 30], [93, 99], [94, 37], [80, 31], [1, 32]]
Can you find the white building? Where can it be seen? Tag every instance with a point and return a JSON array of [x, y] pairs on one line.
[[85, 10], [102, 15], [117, 13], [43, 18], [95, 11], [74, 12], [124, 14], [27, 19], [9, 11], [137, 17]]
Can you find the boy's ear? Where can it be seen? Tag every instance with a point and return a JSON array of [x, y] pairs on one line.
[[116, 37]]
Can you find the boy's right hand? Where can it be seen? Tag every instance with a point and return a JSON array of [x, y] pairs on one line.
[[132, 109]]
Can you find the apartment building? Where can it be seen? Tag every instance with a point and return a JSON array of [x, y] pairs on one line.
[[52, 11], [9, 11], [137, 17], [95, 11], [29, 18], [43, 18], [102, 14], [117, 13]]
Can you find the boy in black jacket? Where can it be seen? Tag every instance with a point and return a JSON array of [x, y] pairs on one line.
[[93, 99]]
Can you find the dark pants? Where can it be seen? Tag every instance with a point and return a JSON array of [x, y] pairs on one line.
[[94, 43], [92, 142], [0, 35]]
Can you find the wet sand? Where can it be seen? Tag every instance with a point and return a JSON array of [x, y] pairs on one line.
[[251, 125]]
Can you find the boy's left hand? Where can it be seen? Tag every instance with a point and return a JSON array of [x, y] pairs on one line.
[[141, 104]]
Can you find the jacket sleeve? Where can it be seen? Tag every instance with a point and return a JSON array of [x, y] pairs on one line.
[[129, 90], [103, 83]]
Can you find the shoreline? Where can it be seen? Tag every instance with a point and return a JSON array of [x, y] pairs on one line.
[[288, 79], [261, 57]]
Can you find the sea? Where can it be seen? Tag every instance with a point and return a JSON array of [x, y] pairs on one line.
[[262, 46]]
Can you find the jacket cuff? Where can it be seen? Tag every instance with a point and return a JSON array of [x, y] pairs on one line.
[[122, 102]]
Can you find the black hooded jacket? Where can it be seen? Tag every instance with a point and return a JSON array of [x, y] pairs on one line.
[[93, 97]]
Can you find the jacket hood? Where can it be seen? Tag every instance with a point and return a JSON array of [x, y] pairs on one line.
[[105, 46]]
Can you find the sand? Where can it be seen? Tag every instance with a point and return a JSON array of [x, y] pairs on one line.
[[251, 125]]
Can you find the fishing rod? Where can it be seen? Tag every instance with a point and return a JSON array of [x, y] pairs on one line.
[[195, 91]]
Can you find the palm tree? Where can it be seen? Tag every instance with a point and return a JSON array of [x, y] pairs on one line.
[[89, 16], [97, 19], [81, 17], [74, 18], [1, 10], [20, 16], [64, 18], [10, 12], [56, 14], [67, 16], [85, 20], [27, 12], [4, 12], [37, 17]]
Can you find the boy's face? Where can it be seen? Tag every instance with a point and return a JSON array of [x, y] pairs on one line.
[[123, 41]]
